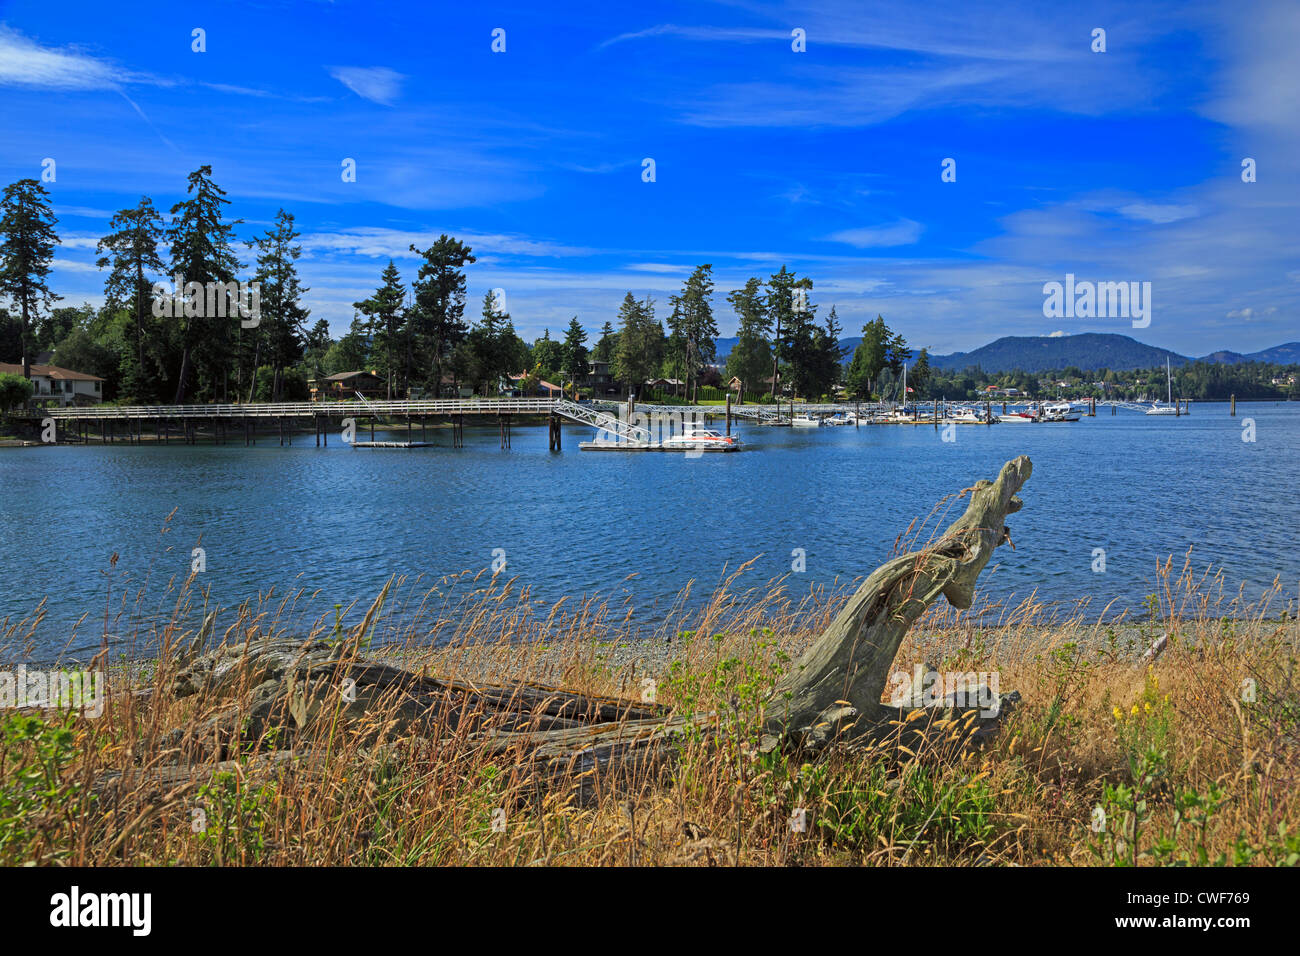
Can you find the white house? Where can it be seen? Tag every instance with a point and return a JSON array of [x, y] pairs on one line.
[[61, 386]]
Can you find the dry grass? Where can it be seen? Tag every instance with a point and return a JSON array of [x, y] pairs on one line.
[[1183, 768]]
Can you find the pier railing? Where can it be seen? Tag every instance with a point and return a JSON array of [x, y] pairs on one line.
[[368, 409], [589, 413]]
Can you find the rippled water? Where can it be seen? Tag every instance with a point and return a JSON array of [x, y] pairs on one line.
[[576, 523]]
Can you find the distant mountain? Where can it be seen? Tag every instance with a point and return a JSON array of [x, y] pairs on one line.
[[1089, 350], [1046, 353], [1288, 354]]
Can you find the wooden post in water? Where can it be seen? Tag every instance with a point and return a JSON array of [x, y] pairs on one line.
[[1232, 405], [728, 412]]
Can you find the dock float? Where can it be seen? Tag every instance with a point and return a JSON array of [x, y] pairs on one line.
[[392, 444], [655, 446]]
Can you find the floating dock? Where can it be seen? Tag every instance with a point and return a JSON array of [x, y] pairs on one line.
[[392, 444], [654, 446]]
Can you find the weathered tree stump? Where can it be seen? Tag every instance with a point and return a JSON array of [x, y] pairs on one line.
[[834, 691]]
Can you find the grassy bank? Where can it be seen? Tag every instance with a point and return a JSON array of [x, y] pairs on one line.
[[1107, 760]]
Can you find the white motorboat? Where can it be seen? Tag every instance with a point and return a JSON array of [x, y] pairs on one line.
[[1017, 418], [806, 421], [1059, 412], [965, 415], [703, 439]]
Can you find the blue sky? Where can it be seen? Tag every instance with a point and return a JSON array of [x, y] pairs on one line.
[[1115, 166]]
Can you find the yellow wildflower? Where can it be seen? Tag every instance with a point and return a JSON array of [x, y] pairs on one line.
[[1118, 713], [1135, 709]]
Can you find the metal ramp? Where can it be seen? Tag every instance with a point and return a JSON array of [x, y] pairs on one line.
[[606, 423]]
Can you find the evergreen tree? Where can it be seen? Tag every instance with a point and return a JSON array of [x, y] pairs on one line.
[[750, 359], [918, 377], [132, 258], [201, 252], [575, 352], [790, 318], [386, 319], [548, 355], [283, 319], [869, 359], [641, 344], [438, 322], [694, 331], [604, 350], [26, 251]]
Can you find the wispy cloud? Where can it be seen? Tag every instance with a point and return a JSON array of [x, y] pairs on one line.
[[1156, 212], [748, 35], [396, 243], [378, 84], [902, 233], [23, 62]]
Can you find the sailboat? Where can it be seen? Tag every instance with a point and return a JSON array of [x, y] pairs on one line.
[[1170, 409]]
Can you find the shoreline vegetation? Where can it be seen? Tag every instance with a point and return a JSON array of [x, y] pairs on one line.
[[1192, 757]]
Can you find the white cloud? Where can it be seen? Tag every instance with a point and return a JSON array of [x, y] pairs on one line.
[[25, 63], [395, 243], [1156, 212], [378, 84], [901, 233]]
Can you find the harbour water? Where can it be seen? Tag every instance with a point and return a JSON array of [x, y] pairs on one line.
[[576, 524]]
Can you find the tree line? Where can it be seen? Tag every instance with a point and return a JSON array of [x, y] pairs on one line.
[[415, 336]]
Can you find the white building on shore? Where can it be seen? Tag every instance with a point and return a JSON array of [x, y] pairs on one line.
[[61, 386]]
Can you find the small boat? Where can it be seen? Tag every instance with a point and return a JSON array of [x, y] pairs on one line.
[[965, 415], [901, 414], [701, 439], [840, 419], [1059, 412], [1019, 418], [806, 421], [1170, 409]]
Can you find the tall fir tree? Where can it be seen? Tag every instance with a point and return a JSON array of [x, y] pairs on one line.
[[694, 330], [750, 359], [202, 252], [283, 318], [438, 322], [26, 251], [132, 258], [387, 321]]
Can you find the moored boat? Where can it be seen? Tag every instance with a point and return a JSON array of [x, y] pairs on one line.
[[701, 439]]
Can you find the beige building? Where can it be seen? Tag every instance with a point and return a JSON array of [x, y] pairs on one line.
[[61, 386]]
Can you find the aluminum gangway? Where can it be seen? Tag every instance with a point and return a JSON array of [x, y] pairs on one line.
[[605, 422]]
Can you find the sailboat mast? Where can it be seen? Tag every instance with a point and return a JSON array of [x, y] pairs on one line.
[[1169, 383]]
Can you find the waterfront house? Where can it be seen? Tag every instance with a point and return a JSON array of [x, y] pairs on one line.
[[345, 385], [542, 389], [53, 385], [600, 381]]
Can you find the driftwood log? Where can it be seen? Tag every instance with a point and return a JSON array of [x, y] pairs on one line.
[[276, 696], [834, 691]]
